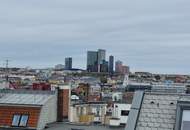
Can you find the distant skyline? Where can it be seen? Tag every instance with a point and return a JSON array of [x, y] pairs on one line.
[[147, 35]]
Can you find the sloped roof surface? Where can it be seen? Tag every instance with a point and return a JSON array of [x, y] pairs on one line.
[[24, 98], [158, 111]]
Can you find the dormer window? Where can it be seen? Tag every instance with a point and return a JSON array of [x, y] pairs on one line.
[[183, 116], [19, 120], [185, 123]]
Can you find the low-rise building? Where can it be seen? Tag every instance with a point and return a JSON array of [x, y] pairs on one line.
[[27, 109], [91, 112], [120, 114]]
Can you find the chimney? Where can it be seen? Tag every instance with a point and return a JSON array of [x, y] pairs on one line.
[[63, 102]]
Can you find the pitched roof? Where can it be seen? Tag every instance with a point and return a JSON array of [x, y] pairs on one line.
[[24, 97], [157, 111]]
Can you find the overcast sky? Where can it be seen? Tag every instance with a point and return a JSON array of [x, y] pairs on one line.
[[147, 35]]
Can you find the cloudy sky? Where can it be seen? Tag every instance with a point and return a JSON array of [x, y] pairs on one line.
[[148, 35]]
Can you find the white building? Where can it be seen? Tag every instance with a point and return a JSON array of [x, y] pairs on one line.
[[117, 96], [120, 114]]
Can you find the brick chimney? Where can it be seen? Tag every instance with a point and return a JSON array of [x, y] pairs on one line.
[[63, 102]]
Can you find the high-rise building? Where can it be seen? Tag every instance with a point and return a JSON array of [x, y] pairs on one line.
[[68, 63], [104, 66], [126, 70], [101, 57], [111, 64], [118, 66], [92, 61]]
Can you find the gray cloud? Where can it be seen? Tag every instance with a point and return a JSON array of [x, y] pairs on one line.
[[147, 35]]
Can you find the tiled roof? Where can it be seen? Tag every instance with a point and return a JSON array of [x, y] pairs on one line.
[[158, 111]]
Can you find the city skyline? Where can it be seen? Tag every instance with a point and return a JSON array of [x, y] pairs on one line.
[[147, 35], [95, 65]]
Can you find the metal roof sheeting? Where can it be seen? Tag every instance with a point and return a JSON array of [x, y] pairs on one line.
[[156, 112], [24, 98], [135, 109]]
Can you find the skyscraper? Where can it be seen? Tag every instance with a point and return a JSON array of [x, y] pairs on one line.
[[68, 63], [111, 64], [101, 57], [118, 66], [92, 61], [104, 66]]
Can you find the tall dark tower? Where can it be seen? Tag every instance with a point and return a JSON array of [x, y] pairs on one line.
[[68, 63], [111, 64], [101, 58], [92, 61]]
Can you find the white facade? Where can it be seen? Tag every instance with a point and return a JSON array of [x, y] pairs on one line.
[[120, 113], [4, 85], [48, 113], [73, 115], [114, 122], [117, 96]]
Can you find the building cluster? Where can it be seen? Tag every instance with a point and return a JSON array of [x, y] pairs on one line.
[[96, 62]]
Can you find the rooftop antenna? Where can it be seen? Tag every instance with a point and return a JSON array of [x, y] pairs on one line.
[[7, 70]]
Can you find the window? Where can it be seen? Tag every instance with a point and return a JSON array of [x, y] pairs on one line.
[[20, 120], [185, 123], [98, 111], [24, 120], [16, 120], [124, 113]]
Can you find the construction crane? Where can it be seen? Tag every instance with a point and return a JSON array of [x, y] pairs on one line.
[[7, 71], [9, 84]]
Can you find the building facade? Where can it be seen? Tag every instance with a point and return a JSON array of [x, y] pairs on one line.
[[120, 114], [92, 61], [68, 63], [125, 69], [118, 66], [101, 58], [27, 109], [111, 64], [91, 112], [104, 66]]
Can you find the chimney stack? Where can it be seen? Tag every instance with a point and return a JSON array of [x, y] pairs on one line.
[[63, 102]]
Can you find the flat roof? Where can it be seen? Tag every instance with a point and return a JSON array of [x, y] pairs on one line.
[[67, 126]]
